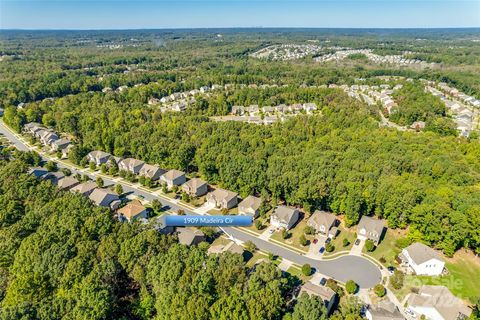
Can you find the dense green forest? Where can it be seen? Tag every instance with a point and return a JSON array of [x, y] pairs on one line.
[[337, 159], [61, 257]]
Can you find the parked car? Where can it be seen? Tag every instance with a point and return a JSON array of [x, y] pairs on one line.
[[328, 240], [321, 249], [315, 241], [391, 270], [323, 281], [271, 231], [357, 242]]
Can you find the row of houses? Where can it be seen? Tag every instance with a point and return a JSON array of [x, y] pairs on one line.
[[48, 138], [287, 51], [388, 59]]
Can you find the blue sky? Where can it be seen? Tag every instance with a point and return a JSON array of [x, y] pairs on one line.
[[128, 14]]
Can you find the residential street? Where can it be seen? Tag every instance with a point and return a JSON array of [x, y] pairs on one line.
[[344, 268]]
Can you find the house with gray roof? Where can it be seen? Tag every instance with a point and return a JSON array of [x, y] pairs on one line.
[[223, 199], [323, 222], [250, 206], [195, 187], [370, 228], [98, 157], [132, 165], [437, 303], [422, 260], [105, 198], [173, 178], [190, 236], [67, 183], [230, 247], [53, 177], [85, 188], [284, 217], [383, 310], [151, 171], [325, 293]]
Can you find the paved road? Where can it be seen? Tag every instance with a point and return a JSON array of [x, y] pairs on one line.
[[344, 268]]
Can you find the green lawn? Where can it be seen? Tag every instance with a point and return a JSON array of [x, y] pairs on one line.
[[338, 241], [297, 272], [387, 247], [265, 223], [295, 234]]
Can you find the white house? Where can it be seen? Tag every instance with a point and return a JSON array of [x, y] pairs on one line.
[[422, 259]]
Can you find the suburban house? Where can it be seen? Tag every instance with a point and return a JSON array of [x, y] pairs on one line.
[[67, 183], [98, 157], [32, 127], [53, 177], [105, 198], [189, 236], [131, 164], [85, 188], [383, 310], [284, 217], [195, 187], [231, 247], [250, 206], [370, 228], [37, 172], [437, 303], [151, 171], [60, 144], [422, 259], [323, 222], [132, 211], [158, 223], [47, 137], [325, 293], [173, 178], [221, 198]]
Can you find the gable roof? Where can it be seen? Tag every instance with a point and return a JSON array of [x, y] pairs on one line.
[[187, 236], [97, 154], [284, 213], [323, 218], [194, 184], [132, 209], [421, 253], [67, 182], [149, 170], [385, 310], [251, 202], [132, 162], [85, 187], [173, 174], [99, 195], [371, 225], [321, 291], [441, 299], [223, 195]]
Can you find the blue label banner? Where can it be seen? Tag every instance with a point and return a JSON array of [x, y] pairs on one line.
[[210, 221]]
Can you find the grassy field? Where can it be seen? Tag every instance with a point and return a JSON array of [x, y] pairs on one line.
[[338, 241]]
